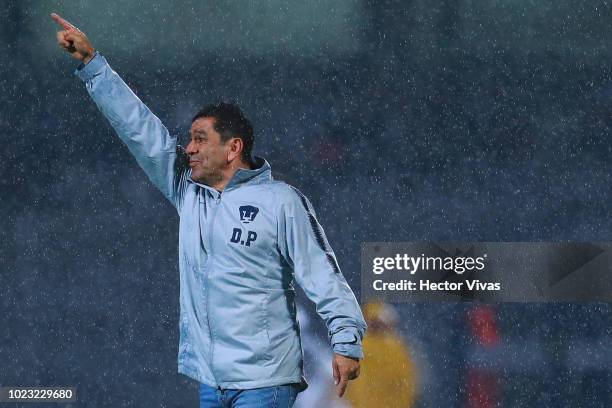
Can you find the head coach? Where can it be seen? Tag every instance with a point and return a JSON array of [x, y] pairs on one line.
[[244, 239]]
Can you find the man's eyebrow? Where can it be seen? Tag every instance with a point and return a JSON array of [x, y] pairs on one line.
[[201, 132]]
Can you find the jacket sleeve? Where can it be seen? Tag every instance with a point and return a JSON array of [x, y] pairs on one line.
[[164, 162], [304, 246]]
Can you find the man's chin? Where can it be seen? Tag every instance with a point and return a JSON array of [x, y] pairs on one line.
[[201, 178], [197, 176]]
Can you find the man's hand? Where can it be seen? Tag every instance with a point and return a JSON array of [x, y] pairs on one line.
[[345, 369], [73, 40]]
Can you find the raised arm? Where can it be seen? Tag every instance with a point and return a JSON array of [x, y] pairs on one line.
[[164, 162]]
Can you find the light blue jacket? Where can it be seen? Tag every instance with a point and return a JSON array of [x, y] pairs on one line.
[[240, 252]]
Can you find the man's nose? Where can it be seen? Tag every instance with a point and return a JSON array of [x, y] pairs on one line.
[[189, 149]]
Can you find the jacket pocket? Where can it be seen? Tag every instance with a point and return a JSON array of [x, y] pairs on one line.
[[185, 347], [280, 307], [263, 349]]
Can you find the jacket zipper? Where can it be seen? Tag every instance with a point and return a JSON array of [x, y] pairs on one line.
[[211, 223]]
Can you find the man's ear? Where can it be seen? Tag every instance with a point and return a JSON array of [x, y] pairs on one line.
[[235, 149]]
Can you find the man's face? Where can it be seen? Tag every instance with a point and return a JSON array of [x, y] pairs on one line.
[[208, 155]]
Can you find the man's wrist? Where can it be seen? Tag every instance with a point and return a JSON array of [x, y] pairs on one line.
[[86, 72], [89, 57], [349, 350], [349, 357]]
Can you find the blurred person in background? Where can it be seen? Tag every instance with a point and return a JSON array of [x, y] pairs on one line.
[[388, 375], [244, 239], [482, 381], [317, 358]]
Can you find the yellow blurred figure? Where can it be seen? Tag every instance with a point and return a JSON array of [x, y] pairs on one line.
[[388, 376]]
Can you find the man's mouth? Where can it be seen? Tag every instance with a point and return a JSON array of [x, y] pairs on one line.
[[193, 162]]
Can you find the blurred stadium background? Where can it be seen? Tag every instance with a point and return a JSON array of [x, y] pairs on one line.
[[452, 120]]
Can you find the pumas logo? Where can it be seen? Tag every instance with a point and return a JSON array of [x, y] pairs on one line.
[[248, 213]]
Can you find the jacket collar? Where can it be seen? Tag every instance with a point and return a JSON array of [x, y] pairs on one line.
[[261, 172]]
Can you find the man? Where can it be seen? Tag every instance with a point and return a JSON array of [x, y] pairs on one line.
[[243, 240]]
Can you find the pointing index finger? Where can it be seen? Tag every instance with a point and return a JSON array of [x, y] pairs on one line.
[[67, 26]]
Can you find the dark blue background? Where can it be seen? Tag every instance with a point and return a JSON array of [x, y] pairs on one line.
[[431, 130]]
